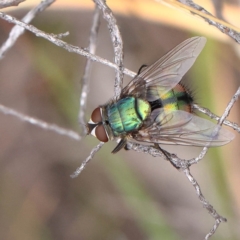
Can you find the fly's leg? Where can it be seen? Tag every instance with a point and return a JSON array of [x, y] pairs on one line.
[[167, 155], [121, 144], [141, 68]]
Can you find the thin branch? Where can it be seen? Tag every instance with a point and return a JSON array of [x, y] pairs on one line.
[[215, 117], [70, 48], [229, 107], [39, 123], [182, 165], [85, 78], [182, 6], [87, 160], [203, 13], [17, 31], [9, 3], [137, 147], [221, 121], [205, 203], [117, 44], [209, 207], [179, 163], [62, 35]]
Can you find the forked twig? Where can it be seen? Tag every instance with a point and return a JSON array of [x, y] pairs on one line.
[[184, 165], [17, 31], [60, 43], [218, 218], [207, 112], [229, 107]]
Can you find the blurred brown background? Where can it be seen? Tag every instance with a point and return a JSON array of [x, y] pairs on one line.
[[124, 196]]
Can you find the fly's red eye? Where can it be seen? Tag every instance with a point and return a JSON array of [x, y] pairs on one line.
[[96, 115], [101, 133]]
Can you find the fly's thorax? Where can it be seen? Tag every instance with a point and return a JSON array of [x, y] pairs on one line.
[[127, 115]]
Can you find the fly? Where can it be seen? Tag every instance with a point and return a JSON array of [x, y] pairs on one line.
[[156, 107]]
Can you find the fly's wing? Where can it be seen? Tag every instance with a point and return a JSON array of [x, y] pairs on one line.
[[182, 128], [168, 70]]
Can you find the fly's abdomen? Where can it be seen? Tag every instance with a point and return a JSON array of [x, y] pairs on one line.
[[177, 98], [127, 115]]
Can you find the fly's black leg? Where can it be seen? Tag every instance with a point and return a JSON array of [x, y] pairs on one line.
[[167, 155], [121, 144], [141, 68], [126, 148]]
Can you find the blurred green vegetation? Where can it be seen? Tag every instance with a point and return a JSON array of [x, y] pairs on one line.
[[58, 74]]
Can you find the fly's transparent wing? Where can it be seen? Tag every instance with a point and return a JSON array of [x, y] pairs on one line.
[[168, 70], [182, 128]]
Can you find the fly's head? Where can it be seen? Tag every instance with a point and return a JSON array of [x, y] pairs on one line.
[[95, 126]]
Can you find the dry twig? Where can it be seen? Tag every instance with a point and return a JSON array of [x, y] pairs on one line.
[[117, 44], [17, 31], [9, 3], [211, 20], [86, 75], [39, 123]]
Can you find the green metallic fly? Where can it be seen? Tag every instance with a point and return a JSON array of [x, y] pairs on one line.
[[156, 107]]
